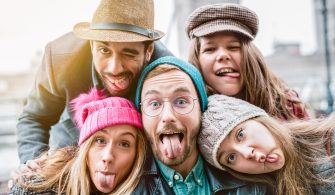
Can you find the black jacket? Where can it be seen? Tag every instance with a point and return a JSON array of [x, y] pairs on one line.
[[220, 182], [66, 71]]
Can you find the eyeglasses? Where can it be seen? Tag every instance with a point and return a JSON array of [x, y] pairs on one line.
[[180, 104]]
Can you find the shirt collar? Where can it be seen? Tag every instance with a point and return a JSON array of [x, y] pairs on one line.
[[197, 172]]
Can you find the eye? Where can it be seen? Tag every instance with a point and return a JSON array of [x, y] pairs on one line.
[[124, 144], [231, 158], [240, 134], [100, 140], [154, 104], [104, 50], [182, 101], [234, 47], [208, 49], [129, 55]]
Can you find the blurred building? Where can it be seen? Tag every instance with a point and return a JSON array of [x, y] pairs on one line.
[[14, 89], [308, 74], [318, 11]]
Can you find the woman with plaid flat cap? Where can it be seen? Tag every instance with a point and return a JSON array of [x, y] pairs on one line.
[[221, 47]]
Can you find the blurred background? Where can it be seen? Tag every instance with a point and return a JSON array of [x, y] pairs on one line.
[[297, 44]]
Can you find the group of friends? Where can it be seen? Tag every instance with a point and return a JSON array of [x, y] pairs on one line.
[[114, 112]]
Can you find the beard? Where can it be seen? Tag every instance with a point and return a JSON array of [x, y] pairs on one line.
[[189, 146]]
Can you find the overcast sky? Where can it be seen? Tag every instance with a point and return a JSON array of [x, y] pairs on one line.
[[26, 26]]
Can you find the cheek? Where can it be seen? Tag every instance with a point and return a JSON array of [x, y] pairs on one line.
[[206, 61], [149, 124], [92, 160], [126, 162], [237, 59], [98, 64]]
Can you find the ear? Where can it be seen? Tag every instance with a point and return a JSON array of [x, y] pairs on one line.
[[149, 52]]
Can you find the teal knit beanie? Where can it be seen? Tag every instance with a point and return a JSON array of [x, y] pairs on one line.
[[188, 68]]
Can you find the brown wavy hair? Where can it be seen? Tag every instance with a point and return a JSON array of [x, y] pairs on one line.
[[303, 144], [66, 171], [260, 86]]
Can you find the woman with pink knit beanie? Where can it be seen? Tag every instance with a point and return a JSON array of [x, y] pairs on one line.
[[109, 158]]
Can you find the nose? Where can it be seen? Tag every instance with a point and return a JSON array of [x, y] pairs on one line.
[[222, 55], [115, 65], [107, 155], [249, 152], [168, 114], [246, 151]]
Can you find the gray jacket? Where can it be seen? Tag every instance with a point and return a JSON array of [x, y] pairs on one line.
[[66, 71], [326, 169]]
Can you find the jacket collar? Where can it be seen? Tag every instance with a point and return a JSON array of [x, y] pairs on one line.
[[218, 180], [221, 180]]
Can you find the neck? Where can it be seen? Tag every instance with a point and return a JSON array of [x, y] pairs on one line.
[[185, 168]]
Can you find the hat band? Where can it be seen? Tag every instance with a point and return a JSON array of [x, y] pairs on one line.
[[124, 27]]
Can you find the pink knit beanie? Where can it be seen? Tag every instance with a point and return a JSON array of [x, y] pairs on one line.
[[94, 111]]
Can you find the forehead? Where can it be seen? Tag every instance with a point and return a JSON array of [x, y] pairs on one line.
[[168, 83], [120, 45], [231, 36]]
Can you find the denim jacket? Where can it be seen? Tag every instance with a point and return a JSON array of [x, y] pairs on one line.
[[221, 182]]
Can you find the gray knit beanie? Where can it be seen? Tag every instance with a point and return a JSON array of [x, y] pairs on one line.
[[223, 114]]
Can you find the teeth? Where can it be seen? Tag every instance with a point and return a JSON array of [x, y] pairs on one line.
[[117, 81], [225, 70]]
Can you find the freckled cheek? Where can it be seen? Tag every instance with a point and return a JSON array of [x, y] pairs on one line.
[[150, 126]]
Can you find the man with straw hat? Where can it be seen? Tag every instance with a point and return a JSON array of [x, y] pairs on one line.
[[108, 53]]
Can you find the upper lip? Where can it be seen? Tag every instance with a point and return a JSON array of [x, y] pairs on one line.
[[115, 79], [106, 172], [180, 134]]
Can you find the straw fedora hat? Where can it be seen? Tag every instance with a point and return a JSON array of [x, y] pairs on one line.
[[120, 21]]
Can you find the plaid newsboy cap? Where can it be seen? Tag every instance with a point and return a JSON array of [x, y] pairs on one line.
[[222, 17]]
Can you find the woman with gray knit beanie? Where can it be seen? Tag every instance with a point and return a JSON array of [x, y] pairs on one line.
[[222, 49], [296, 157]]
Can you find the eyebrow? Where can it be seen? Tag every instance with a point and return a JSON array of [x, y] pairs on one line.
[[127, 50], [149, 92]]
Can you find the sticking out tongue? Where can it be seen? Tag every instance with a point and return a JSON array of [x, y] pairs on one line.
[[105, 180], [272, 158], [232, 74], [122, 84], [172, 145]]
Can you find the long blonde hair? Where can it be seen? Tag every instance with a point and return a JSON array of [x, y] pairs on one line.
[[303, 144], [67, 171], [260, 86]]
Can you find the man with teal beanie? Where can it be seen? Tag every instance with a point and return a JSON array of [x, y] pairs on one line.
[[171, 96]]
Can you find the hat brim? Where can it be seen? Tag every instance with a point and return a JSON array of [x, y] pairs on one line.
[[212, 28], [83, 31]]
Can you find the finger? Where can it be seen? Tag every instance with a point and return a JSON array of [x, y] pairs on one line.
[[41, 159], [33, 165], [10, 184]]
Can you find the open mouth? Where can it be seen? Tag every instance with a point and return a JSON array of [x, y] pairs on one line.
[[225, 71], [172, 134]]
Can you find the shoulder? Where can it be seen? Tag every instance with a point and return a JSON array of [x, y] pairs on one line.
[[18, 189], [223, 182], [67, 50], [68, 43], [297, 107]]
